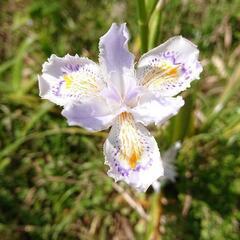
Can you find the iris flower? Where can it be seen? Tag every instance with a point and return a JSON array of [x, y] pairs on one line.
[[115, 94]]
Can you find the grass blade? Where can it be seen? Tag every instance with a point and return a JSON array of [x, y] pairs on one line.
[[143, 25], [18, 63]]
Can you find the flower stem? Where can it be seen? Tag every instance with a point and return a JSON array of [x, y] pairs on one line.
[[155, 25], [150, 7], [182, 124], [143, 25], [153, 231]]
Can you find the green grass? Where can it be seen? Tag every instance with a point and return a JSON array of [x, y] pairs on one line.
[[53, 182]]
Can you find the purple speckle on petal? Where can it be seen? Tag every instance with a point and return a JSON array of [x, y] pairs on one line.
[[56, 91], [69, 68]]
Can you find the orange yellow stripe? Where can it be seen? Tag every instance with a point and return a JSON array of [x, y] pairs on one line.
[[131, 149]]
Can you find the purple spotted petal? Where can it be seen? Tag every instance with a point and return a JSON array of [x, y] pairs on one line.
[[69, 79], [170, 67], [132, 154]]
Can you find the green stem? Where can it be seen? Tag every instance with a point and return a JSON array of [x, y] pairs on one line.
[[150, 7], [143, 25], [153, 230], [155, 24], [183, 122], [182, 125]]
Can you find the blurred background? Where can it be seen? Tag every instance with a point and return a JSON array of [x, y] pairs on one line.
[[53, 182]]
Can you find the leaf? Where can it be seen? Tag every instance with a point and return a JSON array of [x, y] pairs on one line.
[[18, 63]]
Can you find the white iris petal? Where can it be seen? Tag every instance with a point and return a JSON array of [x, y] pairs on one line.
[[112, 93]]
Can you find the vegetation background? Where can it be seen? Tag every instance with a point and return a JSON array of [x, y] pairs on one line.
[[53, 182]]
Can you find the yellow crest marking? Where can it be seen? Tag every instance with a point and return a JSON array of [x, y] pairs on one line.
[[134, 159], [159, 75], [68, 80], [173, 72], [81, 83], [130, 147]]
